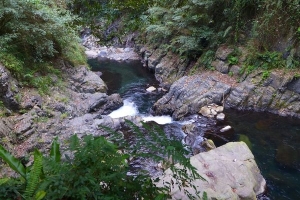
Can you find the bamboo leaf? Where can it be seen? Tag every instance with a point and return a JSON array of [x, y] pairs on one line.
[[13, 162]]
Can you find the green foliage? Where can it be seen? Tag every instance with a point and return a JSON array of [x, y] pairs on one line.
[[267, 60], [55, 151], [233, 60], [13, 162], [33, 34], [96, 168], [204, 197], [33, 178], [30, 177], [265, 75]]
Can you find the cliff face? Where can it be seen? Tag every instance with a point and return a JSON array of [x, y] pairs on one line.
[[277, 91]]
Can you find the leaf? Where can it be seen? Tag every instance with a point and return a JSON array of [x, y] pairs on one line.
[[3, 180], [40, 195], [227, 31], [13, 162], [204, 197], [55, 152], [34, 176]]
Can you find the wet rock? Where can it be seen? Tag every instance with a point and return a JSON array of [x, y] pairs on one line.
[[219, 109], [155, 59], [188, 128], [230, 172], [4, 79], [113, 102], [96, 101]]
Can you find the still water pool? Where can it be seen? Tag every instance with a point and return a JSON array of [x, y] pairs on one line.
[[275, 143]]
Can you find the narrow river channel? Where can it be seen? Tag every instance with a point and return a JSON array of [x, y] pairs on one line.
[[273, 140]]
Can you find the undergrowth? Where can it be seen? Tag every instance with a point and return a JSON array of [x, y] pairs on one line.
[[98, 168]]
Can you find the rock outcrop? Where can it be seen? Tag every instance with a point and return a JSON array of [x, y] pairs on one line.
[[277, 91], [230, 172], [190, 93], [168, 67], [8, 89]]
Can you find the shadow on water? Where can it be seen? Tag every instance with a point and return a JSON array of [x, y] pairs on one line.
[[274, 141]]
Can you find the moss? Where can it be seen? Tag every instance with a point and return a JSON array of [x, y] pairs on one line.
[[74, 53]]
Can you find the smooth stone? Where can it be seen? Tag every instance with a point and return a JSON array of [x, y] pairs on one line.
[[221, 116], [219, 109], [205, 111], [226, 128]]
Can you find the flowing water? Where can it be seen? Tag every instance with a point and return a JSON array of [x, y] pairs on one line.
[[273, 140]]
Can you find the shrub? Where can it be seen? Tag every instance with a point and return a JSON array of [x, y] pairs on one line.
[[96, 168]]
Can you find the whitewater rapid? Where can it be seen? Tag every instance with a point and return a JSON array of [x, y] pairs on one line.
[[130, 109]]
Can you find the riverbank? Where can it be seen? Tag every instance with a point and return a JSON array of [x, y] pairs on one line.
[[275, 91]]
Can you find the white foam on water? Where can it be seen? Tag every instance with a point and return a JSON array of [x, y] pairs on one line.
[[128, 109], [165, 119]]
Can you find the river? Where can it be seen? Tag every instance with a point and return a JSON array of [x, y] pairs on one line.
[[273, 140]]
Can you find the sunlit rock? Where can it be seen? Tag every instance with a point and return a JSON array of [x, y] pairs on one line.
[[230, 172]]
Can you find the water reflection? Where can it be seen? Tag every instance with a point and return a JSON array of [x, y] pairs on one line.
[[274, 142]]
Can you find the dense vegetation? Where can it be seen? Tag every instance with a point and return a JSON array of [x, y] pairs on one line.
[[33, 35], [96, 168], [195, 28]]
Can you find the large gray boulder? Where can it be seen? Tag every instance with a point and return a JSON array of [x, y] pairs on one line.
[[86, 81], [230, 172]]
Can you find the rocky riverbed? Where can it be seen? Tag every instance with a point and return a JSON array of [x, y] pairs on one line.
[[81, 104]]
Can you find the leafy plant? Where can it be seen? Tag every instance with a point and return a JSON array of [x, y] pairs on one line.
[[233, 60], [96, 168], [265, 75], [30, 175]]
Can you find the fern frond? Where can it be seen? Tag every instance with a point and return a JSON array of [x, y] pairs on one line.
[[34, 176]]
